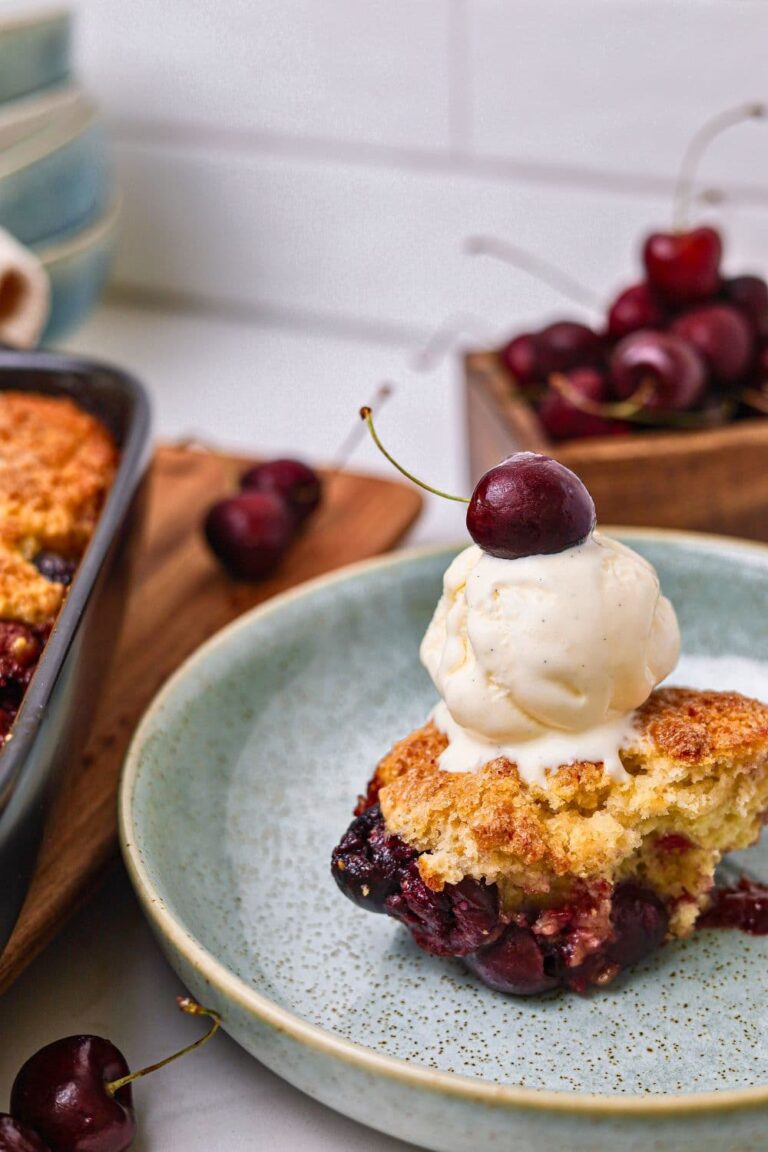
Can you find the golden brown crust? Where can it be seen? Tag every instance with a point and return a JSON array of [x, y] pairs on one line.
[[56, 465], [700, 770], [25, 595]]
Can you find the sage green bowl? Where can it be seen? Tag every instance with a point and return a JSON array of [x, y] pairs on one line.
[[242, 777]]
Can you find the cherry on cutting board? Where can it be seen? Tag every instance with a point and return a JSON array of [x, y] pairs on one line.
[[250, 533], [295, 482], [17, 1137], [529, 505], [675, 367], [74, 1095]]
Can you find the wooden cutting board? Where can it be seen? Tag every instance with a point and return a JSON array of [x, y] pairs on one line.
[[179, 598]]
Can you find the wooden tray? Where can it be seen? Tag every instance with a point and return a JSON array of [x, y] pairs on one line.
[[712, 480], [179, 598]]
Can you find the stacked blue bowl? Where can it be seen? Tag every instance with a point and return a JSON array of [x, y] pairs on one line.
[[57, 192]]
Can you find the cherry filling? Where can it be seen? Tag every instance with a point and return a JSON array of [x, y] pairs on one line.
[[583, 942], [20, 650], [367, 863], [745, 906], [454, 922]]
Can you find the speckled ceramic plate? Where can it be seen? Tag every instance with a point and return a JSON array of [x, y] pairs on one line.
[[240, 780]]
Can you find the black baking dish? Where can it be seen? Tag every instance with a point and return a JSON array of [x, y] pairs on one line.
[[53, 721]]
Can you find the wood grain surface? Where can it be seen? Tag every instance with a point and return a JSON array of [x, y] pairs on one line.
[[179, 598]]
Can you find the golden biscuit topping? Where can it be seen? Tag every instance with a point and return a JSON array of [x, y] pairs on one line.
[[56, 465], [699, 771]]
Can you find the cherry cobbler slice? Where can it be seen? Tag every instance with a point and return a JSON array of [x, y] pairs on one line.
[[568, 884], [559, 816]]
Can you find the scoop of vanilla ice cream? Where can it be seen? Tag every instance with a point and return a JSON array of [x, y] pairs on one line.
[[566, 642]]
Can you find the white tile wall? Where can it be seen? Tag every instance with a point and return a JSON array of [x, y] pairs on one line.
[[320, 161], [373, 71], [618, 85], [382, 246]]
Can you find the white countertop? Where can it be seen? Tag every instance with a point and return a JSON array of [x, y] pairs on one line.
[[267, 390]]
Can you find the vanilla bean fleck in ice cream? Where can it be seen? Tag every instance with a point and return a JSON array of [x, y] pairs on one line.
[[544, 659]]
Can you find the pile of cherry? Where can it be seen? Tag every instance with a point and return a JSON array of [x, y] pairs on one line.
[[251, 531], [75, 1095], [685, 347]]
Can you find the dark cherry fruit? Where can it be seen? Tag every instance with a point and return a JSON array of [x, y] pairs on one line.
[[684, 267], [514, 964], [634, 308], [368, 863], [298, 485], [250, 533], [723, 337], [76, 1093], [675, 368], [454, 922], [567, 947], [565, 345], [564, 420], [640, 923], [529, 505], [61, 1092], [379, 871], [55, 568], [521, 359], [16, 1137], [750, 294]]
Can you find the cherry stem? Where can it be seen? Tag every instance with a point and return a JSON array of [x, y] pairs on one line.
[[445, 336], [535, 266], [190, 1006], [698, 146], [367, 415], [620, 410], [356, 433]]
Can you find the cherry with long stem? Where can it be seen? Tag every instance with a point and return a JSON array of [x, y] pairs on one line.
[[634, 410], [698, 146], [536, 266], [76, 1092], [446, 335], [527, 505], [353, 437], [616, 410], [192, 1008], [367, 415]]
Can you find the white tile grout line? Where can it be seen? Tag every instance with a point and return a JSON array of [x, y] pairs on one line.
[[125, 294], [210, 140], [459, 80]]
